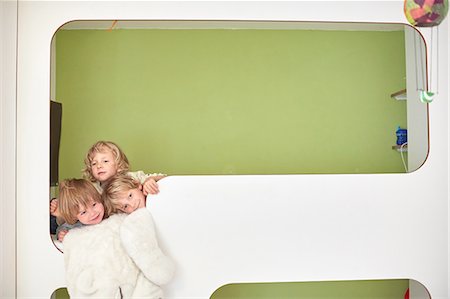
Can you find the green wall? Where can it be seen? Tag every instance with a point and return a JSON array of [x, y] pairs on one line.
[[233, 101]]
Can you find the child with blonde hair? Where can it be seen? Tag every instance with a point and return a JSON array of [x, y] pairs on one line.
[[121, 253], [123, 193], [79, 204], [105, 159]]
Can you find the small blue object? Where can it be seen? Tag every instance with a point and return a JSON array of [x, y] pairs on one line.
[[402, 136]]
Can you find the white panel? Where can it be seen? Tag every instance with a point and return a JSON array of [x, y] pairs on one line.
[[304, 227], [417, 112], [444, 77], [8, 22]]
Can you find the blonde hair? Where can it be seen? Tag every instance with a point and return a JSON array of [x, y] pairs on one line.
[[99, 147], [113, 189], [74, 193]]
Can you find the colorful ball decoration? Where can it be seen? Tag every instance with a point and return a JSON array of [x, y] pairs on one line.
[[425, 13]]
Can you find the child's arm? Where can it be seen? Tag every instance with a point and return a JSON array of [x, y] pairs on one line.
[[61, 234], [61, 231], [148, 181], [150, 186], [64, 228], [139, 239], [54, 207]]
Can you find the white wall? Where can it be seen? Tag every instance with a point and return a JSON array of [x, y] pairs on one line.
[[344, 226], [2, 132], [416, 77], [7, 149], [444, 75]]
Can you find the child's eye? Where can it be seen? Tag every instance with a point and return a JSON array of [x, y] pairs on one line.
[[93, 164], [82, 213], [94, 204], [130, 195]]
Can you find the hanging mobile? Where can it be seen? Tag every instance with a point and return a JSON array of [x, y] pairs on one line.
[[426, 13]]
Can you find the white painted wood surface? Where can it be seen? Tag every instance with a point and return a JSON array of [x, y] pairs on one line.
[[223, 229]]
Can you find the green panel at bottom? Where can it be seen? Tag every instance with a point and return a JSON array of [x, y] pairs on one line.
[[365, 289]]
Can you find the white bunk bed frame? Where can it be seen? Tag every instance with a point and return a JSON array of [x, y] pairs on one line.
[[303, 227]]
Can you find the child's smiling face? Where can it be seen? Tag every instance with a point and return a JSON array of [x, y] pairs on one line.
[[91, 214], [131, 200], [103, 166]]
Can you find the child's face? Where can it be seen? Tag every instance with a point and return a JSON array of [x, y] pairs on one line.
[[103, 166], [131, 200], [92, 213]]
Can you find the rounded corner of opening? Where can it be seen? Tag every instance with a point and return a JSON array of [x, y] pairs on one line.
[[60, 293], [421, 164], [219, 289], [61, 27], [418, 288], [57, 244]]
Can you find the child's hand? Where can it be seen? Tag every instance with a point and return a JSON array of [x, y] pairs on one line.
[[158, 176], [62, 234], [150, 186], [54, 207]]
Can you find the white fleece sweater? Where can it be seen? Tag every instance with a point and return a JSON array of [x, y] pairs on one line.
[[117, 258]]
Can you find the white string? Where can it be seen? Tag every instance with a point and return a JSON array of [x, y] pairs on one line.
[[401, 154], [431, 59], [422, 68], [416, 63], [437, 60]]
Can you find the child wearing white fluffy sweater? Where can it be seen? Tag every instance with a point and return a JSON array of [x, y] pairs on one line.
[[117, 258], [79, 204], [120, 257]]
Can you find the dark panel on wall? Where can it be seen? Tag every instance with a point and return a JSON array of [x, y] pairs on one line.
[[55, 137]]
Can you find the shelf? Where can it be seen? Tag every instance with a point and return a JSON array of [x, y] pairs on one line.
[[399, 95], [399, 148]]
